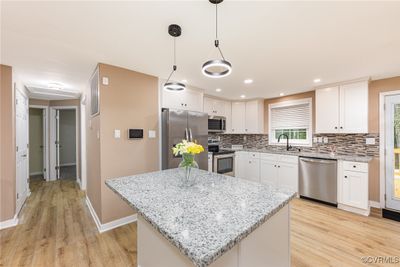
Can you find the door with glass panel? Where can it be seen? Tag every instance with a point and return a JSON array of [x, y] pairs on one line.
[[392, 146]]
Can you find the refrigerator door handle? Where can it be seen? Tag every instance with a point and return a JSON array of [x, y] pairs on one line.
[[186, 134], [190, 135]]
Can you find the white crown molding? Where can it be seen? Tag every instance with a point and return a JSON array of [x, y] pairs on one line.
[[110, 225]]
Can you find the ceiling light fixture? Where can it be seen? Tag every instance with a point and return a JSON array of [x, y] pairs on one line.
[[282, 94], [248, 81], [217, 68], [243, 96], [317, 80], [184, 81], [218, 90], [175, 31]]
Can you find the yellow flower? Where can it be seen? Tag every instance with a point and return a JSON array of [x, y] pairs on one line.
[[186, 147]]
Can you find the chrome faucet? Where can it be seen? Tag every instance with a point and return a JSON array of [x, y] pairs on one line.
[[288, 147]]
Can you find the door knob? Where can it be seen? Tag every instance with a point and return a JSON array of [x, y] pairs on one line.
[[24, 156]]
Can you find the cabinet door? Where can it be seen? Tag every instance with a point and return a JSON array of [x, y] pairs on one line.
[[228, 115], [251, 117], [354, 108], [268, 172], [172, 99], [193, 100], [327, 110], [238, 117], [240, 164], [252, 169], [208, 106], [288, 176], [355, 189]]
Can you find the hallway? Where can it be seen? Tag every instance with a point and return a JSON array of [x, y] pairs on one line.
[[56, 229]]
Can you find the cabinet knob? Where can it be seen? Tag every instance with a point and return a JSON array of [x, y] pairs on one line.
[[279, 166], [275, 166], [335, 127], [341, 127], [345, 176], [354, 166]]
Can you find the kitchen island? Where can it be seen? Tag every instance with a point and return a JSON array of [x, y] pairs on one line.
[[221, 221]]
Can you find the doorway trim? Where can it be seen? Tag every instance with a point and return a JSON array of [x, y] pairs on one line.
[[382, 145], [46, 133], [52, 155]]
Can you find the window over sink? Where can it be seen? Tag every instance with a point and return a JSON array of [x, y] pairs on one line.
[[292, 118]]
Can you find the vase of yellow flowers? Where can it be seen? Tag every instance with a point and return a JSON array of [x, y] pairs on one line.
[[187, 150]]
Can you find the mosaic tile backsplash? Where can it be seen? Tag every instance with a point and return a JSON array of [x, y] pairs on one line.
[[345, 144]]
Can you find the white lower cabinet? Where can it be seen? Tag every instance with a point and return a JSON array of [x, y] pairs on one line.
[[273, 169], [353, 187]]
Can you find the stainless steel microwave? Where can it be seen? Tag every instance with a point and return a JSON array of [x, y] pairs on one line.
[[216, 124]]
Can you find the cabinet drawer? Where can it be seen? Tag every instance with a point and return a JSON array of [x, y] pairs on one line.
[[266, 156], [355, 166], [253, 155], [288, 159]]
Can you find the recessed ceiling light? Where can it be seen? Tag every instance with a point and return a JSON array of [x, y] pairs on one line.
[[218, 89], [248, 81], [282, 94], [184, 81], [243, 96], [317, 80]]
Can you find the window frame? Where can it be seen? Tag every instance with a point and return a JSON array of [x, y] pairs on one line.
[[295, 142]]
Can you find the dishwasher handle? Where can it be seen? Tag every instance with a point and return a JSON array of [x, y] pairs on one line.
[[319, 161]]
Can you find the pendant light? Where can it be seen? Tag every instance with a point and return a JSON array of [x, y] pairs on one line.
[[175, 31], [217, 68]]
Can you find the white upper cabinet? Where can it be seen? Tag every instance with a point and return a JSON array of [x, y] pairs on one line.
[[228, 116], [238, 117], [187, 99], [248, 117], [254, 117], [342, 109], [215, 107], [327, 110]]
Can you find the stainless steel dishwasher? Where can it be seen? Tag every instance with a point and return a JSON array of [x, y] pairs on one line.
[[318, 179]]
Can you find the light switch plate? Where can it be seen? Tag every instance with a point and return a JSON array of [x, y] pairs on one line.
[[152, 134], [315, 140], [319, 139], [117, 134], [105, 80], [370, 141], [326, 140]]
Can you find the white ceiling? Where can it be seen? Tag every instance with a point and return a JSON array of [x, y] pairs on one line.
[[282, 46]]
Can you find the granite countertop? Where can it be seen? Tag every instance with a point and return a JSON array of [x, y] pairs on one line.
[[355, 158], [206, 220]]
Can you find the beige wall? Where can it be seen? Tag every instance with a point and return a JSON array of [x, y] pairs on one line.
[[310, 94], [7, 149], [375, 88], [35, 141], [129, 101]]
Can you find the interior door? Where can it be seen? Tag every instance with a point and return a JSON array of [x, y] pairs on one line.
[[44, 148], [58, 143], [392, 149], [197, 124], [21, 124]]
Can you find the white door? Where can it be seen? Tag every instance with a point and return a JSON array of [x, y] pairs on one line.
[[327, 110], [355, 189], [21, 124], [354, 108], [44, 144], [268, 172], [392, 146], [58, 144], [288, 176], [251, 120], [238, 117]]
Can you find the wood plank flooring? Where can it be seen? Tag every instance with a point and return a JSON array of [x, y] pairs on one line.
[[56, 229]]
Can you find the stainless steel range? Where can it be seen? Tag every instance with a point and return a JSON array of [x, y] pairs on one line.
[[223, 161]]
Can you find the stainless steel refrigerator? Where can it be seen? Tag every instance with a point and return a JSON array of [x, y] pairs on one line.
[[178, 125]]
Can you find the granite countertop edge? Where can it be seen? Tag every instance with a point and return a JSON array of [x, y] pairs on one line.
[[356, 158], [204, 262]]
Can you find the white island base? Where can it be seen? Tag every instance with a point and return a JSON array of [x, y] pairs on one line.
[[267, 246]]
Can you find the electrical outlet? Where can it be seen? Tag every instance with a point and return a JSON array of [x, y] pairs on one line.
[[244, 138], [370, 141], [326, 140], [315, 140], [105, 80], [320, 139], [152, 134]]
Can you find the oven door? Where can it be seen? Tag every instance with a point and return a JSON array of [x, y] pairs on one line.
[[224, 164], [216, 124]]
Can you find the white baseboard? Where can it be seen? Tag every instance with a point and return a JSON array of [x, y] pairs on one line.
[[68, 164], [9, 223], [110, 225], [354, 210], [35, 173], [374, 204], [79, 183]]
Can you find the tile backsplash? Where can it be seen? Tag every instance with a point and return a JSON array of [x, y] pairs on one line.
[[345, 144]]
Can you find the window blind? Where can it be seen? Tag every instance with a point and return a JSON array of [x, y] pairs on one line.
[[291, 117]]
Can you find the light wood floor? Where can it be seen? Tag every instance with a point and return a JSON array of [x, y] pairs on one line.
[[57, 230]]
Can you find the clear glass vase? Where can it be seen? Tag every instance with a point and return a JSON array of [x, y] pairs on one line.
[[186, 169]]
